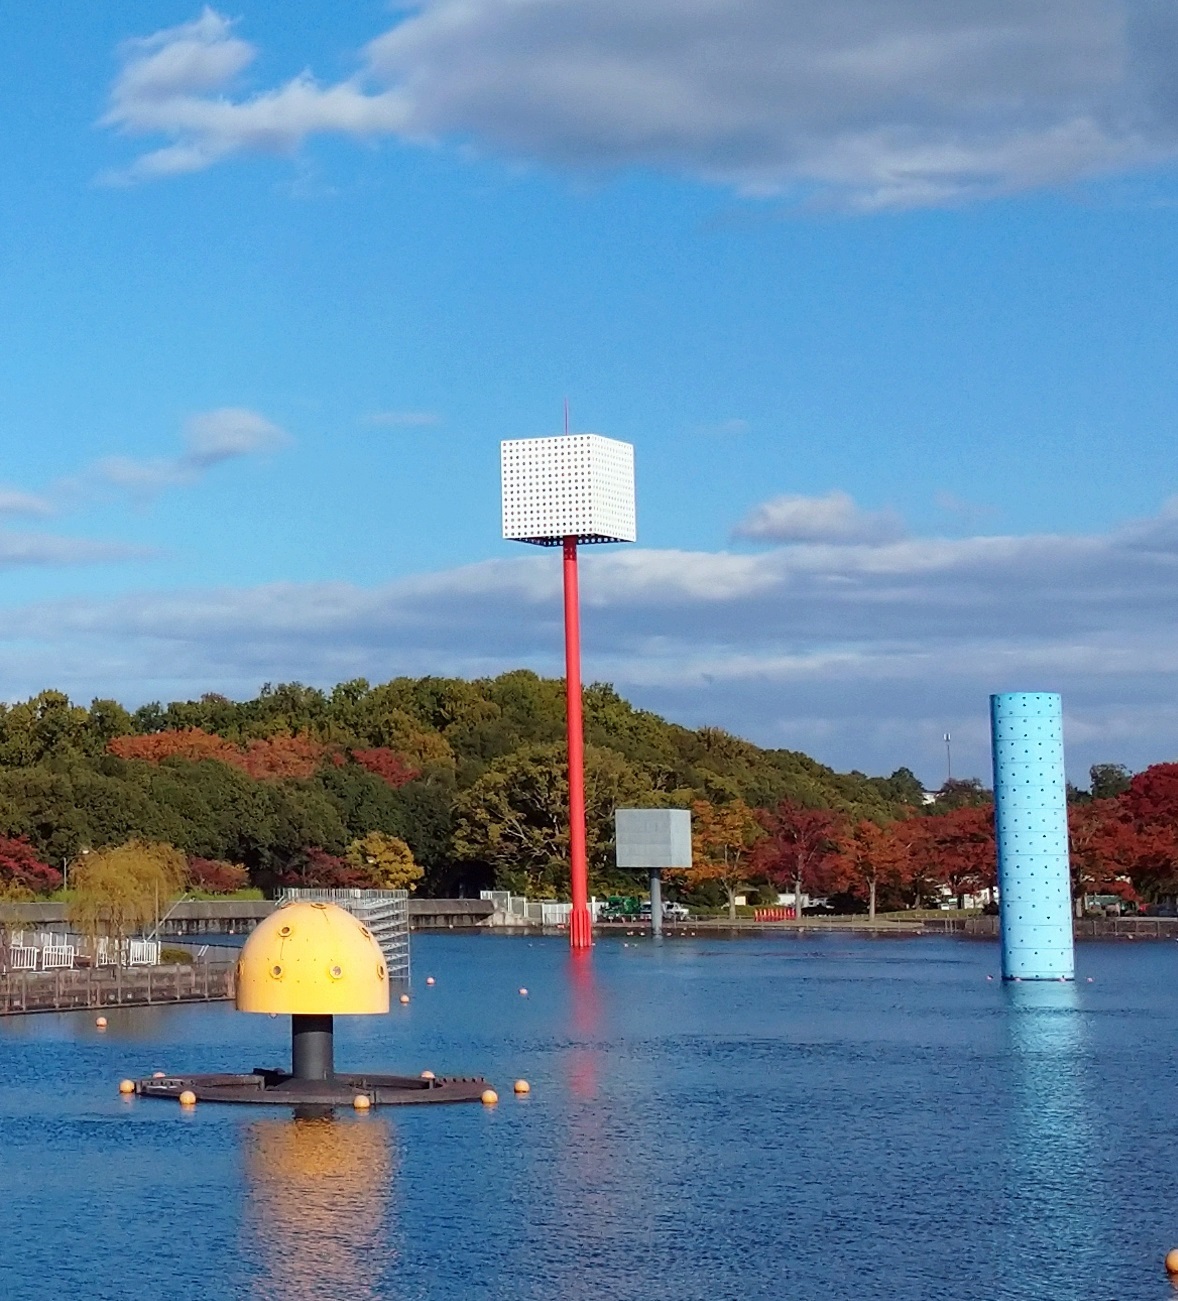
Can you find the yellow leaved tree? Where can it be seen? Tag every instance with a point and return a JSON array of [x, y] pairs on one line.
[[119, 892], [387, 858]]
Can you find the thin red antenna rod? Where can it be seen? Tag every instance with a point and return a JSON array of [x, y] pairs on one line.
[[580, 923]]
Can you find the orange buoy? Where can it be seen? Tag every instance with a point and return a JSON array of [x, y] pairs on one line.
[[362, 1102], [522, 1087], [1172, 1261], [489, 1098], [188, 1098], [428, 1075], [429, 980], [404, 998], [126, 1086], [523, 992], [100, 1022]]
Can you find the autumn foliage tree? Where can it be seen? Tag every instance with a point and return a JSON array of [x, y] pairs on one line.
[[316, 869], [866, 858], [800, 848], [723, 837], [263, 758], [22, 871], [388, 858], [390, 767], [215, 876], [963, 849], [118, 892]]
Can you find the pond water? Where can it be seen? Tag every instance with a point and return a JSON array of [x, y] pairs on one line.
[[784, 1116]]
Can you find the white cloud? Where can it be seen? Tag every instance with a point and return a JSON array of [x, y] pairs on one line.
[[174, 84], [834, 518], [872, 103], [210, 439], [863, 652], [226, 433], [15, 502], [49, 550]]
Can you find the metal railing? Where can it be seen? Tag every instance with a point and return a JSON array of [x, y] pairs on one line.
[[384, 912]]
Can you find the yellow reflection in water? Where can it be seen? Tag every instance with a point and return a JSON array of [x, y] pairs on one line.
[[318, 1193]]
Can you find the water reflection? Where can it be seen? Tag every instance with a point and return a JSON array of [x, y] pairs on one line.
[[318, 1190], [585, 1011], [1055, 1223]]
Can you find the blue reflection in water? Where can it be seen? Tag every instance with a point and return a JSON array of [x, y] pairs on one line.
[[778, 1117], [1055, 1226]]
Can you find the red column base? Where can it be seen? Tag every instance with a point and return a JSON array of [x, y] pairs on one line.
[[581, 928]]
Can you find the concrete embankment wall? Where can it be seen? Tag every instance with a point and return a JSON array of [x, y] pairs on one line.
[[237, 916]]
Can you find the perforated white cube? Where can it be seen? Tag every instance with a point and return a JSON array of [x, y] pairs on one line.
[[577, 485]]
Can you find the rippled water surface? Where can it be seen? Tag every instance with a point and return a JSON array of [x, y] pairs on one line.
[[772, 1117]]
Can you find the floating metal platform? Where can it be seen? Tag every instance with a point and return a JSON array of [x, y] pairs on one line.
[[278, 1088]]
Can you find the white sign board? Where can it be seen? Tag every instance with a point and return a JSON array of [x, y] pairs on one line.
[[648, 838]]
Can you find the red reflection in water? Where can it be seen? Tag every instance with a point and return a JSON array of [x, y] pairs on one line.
[[586, 1010]]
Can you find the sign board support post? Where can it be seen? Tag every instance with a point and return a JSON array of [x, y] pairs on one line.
[[580, 923], [656, 901]]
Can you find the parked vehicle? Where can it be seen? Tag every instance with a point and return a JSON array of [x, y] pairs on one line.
[[672, 912]]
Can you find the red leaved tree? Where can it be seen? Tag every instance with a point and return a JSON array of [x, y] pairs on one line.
[[867, 859], [183, 743], [965, 858], [316, 869], [800, 848], [275, 757], [214, 876], [266, 758], [22, 871], [386, 764]]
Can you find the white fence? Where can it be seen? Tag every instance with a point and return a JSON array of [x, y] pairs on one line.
[[546, 912], [45, 951]]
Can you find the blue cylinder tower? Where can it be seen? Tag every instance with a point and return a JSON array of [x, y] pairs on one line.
[[1031, 826]]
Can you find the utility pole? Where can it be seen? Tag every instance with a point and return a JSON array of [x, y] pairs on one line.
[[948, 758]]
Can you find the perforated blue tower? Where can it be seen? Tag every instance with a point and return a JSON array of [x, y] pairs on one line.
[[1031, 824]]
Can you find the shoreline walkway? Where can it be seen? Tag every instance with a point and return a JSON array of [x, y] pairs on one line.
[[103, 987]]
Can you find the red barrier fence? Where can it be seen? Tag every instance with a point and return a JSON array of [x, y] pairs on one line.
[[786, 914]]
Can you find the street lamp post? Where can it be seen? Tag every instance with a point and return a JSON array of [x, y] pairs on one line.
[[65, 867], [567, 491]]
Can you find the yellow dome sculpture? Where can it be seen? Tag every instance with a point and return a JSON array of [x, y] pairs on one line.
[[312, 959]]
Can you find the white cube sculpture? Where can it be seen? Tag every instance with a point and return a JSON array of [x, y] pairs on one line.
[[576, 485]]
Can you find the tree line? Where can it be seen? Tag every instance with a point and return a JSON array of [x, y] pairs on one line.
[[452, 786], [1122, 834]]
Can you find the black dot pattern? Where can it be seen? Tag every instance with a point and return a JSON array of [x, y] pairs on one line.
[[1031, 828], [578, 485]]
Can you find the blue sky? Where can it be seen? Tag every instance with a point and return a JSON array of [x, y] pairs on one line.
[[882, 293]]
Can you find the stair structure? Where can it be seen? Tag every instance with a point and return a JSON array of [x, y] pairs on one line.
[[384, 912]]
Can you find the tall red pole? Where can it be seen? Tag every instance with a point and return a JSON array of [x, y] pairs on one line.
[[580, 923]]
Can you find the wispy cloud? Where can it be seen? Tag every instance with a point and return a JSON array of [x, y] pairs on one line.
[[867, 103], [833, 518], [175, 83], [15, 502], [863, 652], [51, 550], [210, 439], [402, 419]]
